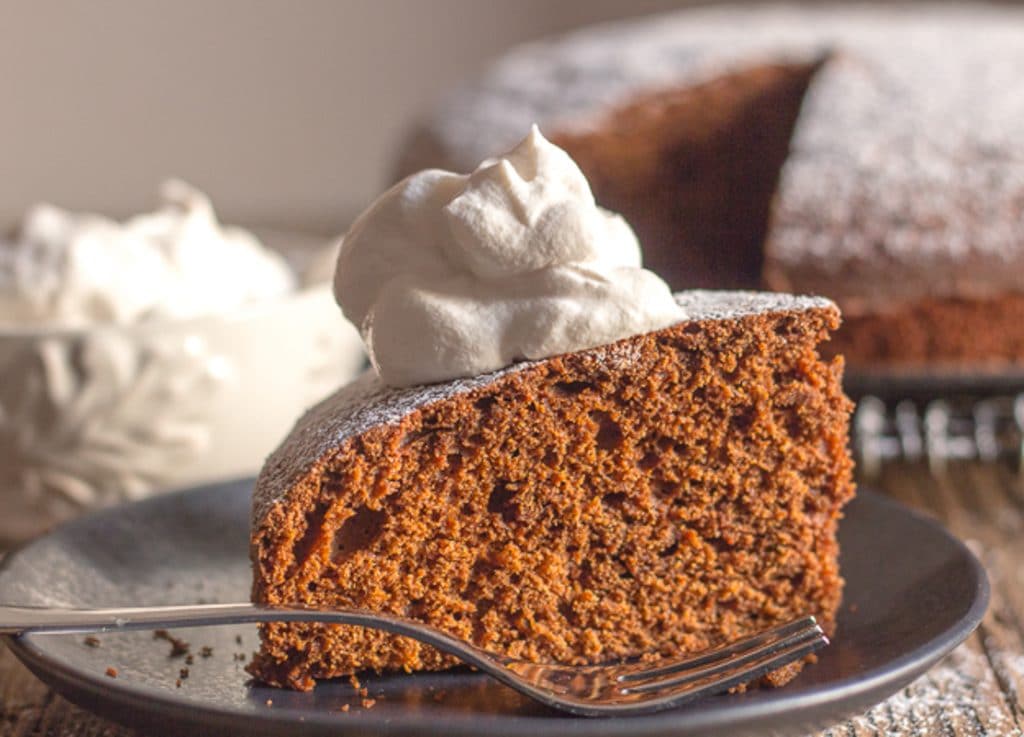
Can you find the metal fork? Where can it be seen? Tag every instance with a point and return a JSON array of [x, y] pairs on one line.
[[593, 690]]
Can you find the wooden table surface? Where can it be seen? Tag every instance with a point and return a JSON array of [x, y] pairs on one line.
[[975, 691]]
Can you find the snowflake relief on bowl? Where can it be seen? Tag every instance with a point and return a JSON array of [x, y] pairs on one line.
[[91, 419], [335, 358], [323, 364]]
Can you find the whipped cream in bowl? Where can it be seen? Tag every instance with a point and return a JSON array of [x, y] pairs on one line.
[[451, 275], [72, 269], [163, 350]]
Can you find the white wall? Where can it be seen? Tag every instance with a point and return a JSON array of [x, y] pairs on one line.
[[287, 112]]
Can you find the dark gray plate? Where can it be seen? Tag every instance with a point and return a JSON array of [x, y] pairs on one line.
[[913, 593]]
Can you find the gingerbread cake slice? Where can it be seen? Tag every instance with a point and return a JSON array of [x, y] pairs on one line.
[[666, 492]]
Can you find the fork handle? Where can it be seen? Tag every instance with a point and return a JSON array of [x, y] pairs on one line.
[[19, 620]]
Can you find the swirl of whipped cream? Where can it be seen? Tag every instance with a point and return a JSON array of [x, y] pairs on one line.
[[454, 275], [77, 269]]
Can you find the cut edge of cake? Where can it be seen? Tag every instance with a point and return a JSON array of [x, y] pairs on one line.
[[308, 491]]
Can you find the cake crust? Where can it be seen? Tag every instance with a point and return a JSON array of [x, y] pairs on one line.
[[670, 491]]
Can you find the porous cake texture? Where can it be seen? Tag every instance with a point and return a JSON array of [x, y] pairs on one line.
[[664, 493], [870, 153]]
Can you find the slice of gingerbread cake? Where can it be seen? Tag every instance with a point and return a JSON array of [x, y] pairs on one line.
[[650, 473]]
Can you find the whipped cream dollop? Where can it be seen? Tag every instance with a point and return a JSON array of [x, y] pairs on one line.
[[452, 275], [75, 269]]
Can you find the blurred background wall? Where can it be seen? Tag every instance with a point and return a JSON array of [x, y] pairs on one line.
[[286, 111]]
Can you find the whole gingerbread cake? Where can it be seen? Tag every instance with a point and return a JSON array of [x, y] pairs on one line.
[[870, 153], [666, 492]]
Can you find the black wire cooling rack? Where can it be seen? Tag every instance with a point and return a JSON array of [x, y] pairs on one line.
[[937, 417]]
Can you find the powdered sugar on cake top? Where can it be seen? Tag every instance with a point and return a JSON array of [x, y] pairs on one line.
[[367, 402], [907, 162]]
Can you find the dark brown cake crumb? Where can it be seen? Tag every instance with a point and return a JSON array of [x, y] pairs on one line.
[[206, 651], [189, 659], [183, 673], [238, 639], [91, 641], [177, 683], [178, 646], [111, 672]]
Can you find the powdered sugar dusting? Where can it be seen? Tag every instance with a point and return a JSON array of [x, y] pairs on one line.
[[367, 402], [1008, 665], [569, 82], [907, 161], [958, 696]]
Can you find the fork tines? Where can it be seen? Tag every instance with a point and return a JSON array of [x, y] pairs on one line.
[[742, 661]]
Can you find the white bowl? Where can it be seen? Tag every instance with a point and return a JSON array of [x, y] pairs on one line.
[[93, 416]]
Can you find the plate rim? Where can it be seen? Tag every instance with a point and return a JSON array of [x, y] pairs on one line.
[[111, 698]]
